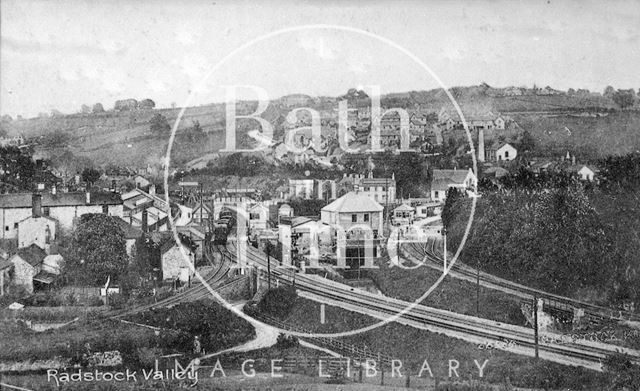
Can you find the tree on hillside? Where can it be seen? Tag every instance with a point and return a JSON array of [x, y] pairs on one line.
[[608, 92], [527, 142], [90, 175], [196, 127], [159, 124], [623, 98], [97, 108], [146, 104], [450, 205], [97, 251]]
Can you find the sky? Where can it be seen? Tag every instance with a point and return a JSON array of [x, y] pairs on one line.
[[63, 54]]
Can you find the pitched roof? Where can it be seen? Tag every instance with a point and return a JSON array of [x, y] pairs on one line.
[[403, 207], [452, 176], [377, 182], [353, 202], [130, 232], [33, 254], [24, 200]]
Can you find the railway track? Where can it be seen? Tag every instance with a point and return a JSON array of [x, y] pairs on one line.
[[582, 353], [197, 291], [428, 252]]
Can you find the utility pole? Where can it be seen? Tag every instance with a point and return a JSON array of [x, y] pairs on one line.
[[268, 268], [535, 321], [478, 287], [444, 233]]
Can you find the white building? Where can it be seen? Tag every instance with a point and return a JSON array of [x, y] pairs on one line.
[[64, 208], [258, 217], [443, 180], [503, 152], [356, 224]]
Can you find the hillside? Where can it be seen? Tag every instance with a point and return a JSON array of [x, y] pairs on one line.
[[123, 137]]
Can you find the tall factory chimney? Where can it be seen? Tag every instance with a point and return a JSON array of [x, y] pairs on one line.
[[481, 145]]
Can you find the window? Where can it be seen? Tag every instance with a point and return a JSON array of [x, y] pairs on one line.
[[506, 155], [47, 235], [435, 194], [105, 209], [366, 217], [46, 211], [15, 226], [354, 218], [254, 216], [6, 228]]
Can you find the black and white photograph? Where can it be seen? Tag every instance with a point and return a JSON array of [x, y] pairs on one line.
[[320, 195]]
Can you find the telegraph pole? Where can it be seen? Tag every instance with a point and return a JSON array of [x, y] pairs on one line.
[[535, 321], [268, 268], [478, 287], [444, 232]]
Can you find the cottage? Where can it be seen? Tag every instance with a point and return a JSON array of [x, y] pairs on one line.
[[27, 268], [502, 152], [443, 180], [131, 235], [381, 190], [584, 172], [64, 208], [38, 230], [177, 261]]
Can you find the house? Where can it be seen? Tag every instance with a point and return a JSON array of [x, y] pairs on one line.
[[502, 152], [141, 182], [37, 229], [356, 226], [443, 180], [258, 217], [137, 200], [197, 236], [584, 172], [131, 235], [177, 261], [64, 208], [28, 270], [381, 190], [403, 214]]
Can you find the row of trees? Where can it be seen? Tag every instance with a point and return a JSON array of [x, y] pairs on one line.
[[553, 240], [556, 233]]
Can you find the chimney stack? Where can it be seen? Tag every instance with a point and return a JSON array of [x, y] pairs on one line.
[[113, 186], [36, 205], [53, 189], [144, 221], [88, 197], [573, 160]]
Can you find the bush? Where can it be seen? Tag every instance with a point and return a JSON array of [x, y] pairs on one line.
[[43, 299], [117, 301], [278, 302], [285, 341], [95, 301]]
